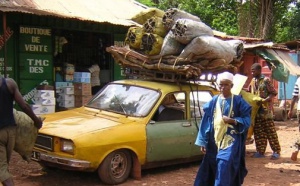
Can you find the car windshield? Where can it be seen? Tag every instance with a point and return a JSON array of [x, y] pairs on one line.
[[125, 99]]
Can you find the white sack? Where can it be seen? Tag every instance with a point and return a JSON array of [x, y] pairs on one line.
[[171, 46], [209, 47], [185, 30], [173, 14]]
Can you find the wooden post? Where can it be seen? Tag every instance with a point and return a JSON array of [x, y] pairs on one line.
[[4, 47]]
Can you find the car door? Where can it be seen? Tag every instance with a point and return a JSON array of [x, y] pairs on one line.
[[170, 138]]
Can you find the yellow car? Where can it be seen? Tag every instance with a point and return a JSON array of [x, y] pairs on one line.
[[127, 126]]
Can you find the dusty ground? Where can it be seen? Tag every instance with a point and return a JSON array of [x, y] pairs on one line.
[[262, 172]]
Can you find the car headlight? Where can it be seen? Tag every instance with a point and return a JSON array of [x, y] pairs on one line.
[[67, 146]]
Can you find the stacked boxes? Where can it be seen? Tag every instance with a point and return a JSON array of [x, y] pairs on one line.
[[83, 93], [82, 77], [82, 88], [75, 93], [65, 94], [44, 102]]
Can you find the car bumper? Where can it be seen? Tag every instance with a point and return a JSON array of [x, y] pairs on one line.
[[56, 161]]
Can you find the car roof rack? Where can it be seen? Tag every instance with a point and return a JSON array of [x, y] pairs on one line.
[[155, 75], [169, 68]]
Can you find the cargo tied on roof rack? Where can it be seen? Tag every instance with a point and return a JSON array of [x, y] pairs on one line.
[[192, 67], [135, 73], [181, 45]]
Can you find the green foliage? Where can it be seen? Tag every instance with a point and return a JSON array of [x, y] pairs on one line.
[[244, 19], [288, 26], [218, 14], [149, 3]]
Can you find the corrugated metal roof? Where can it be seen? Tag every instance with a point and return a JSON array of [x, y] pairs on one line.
[[116, 12], [255, 45], [250, 46], [224, 36], [293, 45]]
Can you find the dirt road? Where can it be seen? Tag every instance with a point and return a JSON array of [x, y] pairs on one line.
[[262, 171]]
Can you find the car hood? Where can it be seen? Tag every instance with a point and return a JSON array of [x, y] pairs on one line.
[[71, 124]]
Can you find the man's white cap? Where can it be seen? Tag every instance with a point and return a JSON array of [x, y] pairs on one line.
[[225, 76]]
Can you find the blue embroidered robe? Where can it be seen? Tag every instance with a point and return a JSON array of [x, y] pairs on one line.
[[223, 166]]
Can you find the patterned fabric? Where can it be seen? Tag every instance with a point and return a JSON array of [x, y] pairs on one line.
[[263, 87], [226, 165], [264, 131], [264, 128], [296, 91]]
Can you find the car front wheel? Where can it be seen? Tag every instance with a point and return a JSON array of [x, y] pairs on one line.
[[116, 167]]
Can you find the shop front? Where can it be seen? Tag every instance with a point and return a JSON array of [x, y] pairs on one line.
[[43, 50]]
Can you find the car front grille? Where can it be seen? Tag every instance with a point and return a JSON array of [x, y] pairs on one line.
[[44, 142]]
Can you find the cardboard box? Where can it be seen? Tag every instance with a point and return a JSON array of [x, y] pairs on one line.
[[67, 90], [67, 104], [63, 84], [44, 94], [43, 109], [82, 80], [64, 97], [43, 101], [58, 90], [82, 75], [82, 89], [82, 100]]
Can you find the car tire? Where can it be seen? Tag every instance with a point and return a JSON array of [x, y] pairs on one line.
[[116, 167]]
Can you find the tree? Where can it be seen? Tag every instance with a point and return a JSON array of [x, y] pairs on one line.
[[257, 18], [288, 27], [266, 19], [218, 14]]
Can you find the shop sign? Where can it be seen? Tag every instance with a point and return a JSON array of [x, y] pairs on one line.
[[7, 39], [34, 66], [9, 69], [36, 61], [35, 40]]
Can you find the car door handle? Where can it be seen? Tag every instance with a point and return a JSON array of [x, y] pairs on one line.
[[186, 124]]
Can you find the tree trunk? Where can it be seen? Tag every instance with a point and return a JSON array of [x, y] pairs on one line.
[[266, 17]]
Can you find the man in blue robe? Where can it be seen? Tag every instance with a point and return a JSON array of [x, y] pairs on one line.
[[221, 137]]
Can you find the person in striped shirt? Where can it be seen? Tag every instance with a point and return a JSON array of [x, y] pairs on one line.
[[295, 99]]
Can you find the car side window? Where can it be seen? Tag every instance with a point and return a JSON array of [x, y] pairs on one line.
[[171, 108], [197, 100]]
